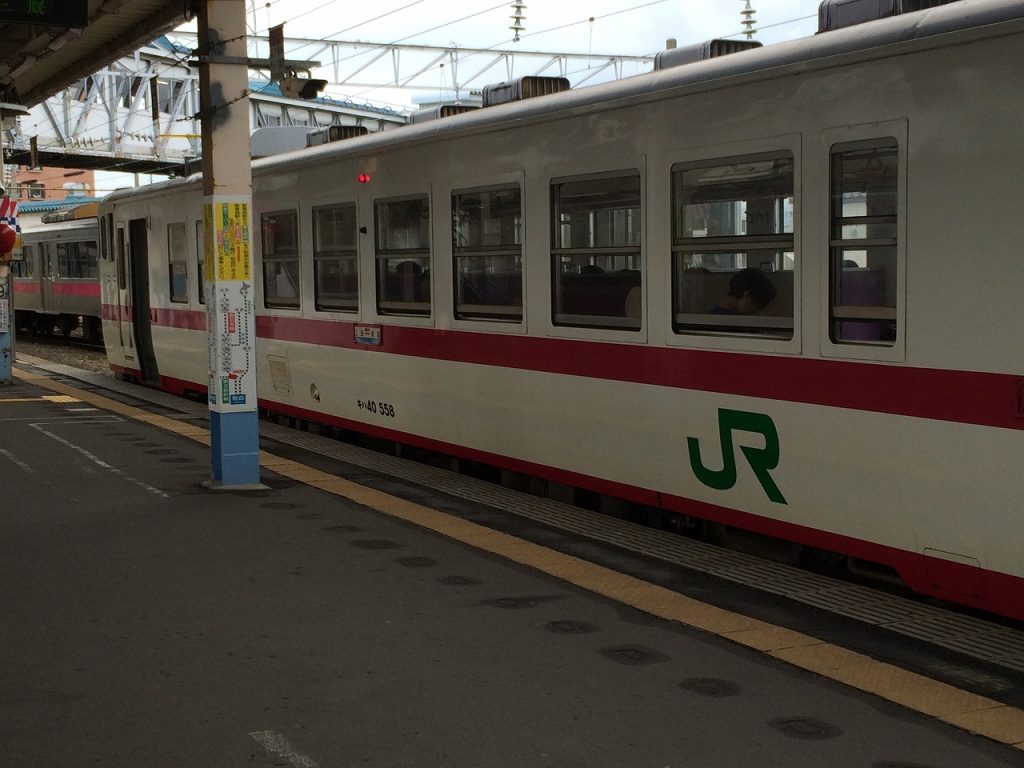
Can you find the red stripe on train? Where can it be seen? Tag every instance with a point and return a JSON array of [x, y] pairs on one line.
[[969, 397], [983, 589], [91, 289]]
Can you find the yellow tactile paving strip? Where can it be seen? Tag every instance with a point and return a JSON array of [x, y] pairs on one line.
[[947, 703]]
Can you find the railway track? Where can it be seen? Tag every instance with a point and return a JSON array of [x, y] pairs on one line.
[[73, 350]]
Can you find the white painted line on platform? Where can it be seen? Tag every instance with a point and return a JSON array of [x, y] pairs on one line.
[[98, 461], [278, 745], [17, 462]]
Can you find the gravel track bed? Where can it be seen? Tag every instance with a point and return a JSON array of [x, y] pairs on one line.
[[55, 350]]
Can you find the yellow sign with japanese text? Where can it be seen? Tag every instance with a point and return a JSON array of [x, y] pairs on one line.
[[228, 245]]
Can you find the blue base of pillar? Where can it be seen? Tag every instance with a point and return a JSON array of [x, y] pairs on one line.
[[235, 450], [6, 359]]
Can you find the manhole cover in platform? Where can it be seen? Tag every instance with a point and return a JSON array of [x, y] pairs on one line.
[[710, 686], [375, 544], [567, 627], [805, 728], [515, 603], [458, 581], [417, 562], [633, 655]]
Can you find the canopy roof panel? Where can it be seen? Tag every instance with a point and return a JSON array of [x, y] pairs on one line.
[[38, 60]]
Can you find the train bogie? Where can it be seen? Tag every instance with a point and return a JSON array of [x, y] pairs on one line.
[[772, 292]]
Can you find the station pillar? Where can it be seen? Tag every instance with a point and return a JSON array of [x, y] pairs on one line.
[[6, 278], [227, 222], [6, 325]]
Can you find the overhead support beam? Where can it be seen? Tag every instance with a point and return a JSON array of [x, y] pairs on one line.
[[415, 67]]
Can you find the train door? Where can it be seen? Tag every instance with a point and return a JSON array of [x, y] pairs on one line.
[[138, 279], [47, 278]]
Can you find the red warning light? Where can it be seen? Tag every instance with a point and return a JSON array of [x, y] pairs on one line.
[[364, 178]]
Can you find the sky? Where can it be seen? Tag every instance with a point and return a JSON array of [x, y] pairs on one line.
[[592, 27]]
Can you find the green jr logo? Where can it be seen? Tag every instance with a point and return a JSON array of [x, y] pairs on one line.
[[761, 460]]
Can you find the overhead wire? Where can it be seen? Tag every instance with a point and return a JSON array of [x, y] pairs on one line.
[[589, 20]]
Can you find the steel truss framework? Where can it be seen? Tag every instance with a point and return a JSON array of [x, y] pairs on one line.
[[140, 113], [416, 67]]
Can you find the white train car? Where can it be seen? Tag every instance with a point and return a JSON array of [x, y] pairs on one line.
[[57, 281], [574, 287]]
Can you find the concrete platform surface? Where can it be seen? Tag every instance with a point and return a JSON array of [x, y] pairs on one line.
[[149, 621]]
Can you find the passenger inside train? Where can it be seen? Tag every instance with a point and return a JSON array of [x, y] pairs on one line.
[[750, 291]]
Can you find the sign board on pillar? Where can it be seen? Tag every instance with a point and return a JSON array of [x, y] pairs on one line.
[[230, 306]]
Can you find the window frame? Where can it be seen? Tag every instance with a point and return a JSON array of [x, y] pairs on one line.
[[177, 261], [77, 256], [632, 324], [345, 254], [25, 267], [386, 305], [838, 245], [756, 327], [200, 260], [292, 255], [489, 312], [897, 129]]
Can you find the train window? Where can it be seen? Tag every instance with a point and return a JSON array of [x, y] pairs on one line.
[[280, 237], [732, 246], [863, 242], [77, 260], [108, 239], [122, 256], [595, 251], [201, 260], [177, 261], [488, 252], [26, 265], [403, 256], [335, 259], [104, 250]]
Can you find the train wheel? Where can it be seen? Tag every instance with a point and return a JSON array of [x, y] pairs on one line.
[[92, 329], [23, 321], [67, 324]]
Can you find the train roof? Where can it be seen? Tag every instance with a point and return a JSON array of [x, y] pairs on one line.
[[875, 39]]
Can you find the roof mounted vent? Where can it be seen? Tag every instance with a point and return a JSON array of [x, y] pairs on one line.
[[335, 133], [524, 88], [436, 113], [837, 14], [710, 49]]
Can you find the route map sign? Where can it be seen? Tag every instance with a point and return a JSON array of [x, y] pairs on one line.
[[230, 309], [56, 13]]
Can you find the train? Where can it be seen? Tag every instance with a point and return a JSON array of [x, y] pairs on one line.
[[761, 290], [56, 283]]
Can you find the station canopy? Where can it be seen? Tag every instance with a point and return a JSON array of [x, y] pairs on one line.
[[47, 45]]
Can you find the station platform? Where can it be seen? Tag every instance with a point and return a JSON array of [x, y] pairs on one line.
[[343, 616]]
